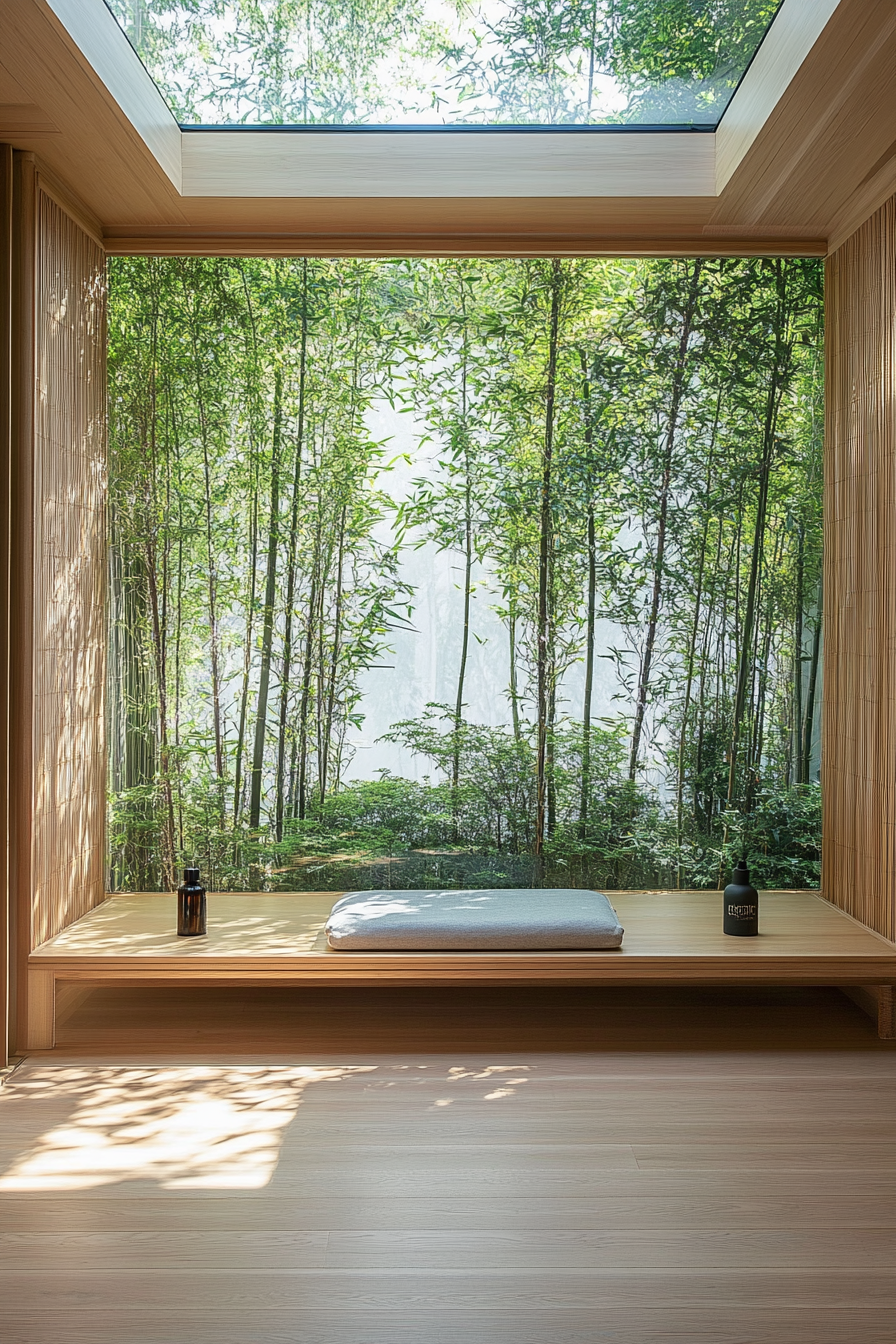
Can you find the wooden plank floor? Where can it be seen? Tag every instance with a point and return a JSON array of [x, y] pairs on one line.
[[419, 1166]]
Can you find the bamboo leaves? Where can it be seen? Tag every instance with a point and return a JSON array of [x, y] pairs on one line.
[[620, 464]]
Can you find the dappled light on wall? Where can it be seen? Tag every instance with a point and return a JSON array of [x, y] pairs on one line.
[[70, 561]]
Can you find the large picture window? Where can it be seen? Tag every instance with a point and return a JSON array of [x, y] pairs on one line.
[[464, 573]]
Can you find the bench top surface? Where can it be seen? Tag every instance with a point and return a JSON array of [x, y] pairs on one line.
[[287, 931]]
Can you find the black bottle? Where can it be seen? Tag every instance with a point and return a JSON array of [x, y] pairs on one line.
[[191, 906], [741, 904]]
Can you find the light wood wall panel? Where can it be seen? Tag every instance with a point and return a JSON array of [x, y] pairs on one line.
[[69, 574], [859, 733], [7, 978], [57, 579]]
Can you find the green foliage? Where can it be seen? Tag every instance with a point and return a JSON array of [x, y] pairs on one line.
[[623, 446], [681, 54], [332, 62]]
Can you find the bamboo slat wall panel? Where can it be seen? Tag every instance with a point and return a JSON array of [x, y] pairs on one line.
[[7, 981], [859, 762], [69, 767]]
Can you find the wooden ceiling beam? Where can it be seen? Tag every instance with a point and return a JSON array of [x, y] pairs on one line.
[[479, 245]]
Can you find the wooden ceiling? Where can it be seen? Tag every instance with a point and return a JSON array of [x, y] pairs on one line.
[[821, 163]]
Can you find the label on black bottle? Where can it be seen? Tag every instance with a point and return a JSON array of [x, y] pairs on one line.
[[741, 911]]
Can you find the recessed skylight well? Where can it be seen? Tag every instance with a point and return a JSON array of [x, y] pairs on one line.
[[446, 63]]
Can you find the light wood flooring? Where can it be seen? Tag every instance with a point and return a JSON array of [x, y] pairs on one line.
[[425, 1166]]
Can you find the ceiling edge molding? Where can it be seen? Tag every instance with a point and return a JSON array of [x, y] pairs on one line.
[[25, 119], [870, 197], [506, 245], [50, 185]]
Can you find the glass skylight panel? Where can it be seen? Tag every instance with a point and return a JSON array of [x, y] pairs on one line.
[[446, 63]]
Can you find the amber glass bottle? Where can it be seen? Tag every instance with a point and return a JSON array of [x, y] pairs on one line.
[[191, 909], [741, 917]]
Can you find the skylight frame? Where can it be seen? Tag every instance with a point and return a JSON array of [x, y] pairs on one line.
[[504, 127], [628, 128], [249, 161]]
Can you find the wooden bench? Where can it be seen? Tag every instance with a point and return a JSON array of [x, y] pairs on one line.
[[672, 938]]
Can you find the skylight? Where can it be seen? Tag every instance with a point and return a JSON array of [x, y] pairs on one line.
[[447, 63]]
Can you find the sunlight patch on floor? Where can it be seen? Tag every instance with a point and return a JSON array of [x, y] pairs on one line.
[[188, 1128]]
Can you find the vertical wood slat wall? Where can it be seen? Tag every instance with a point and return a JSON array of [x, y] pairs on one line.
[[7, 1018], [69, 765], [859, 714], [58, 562]]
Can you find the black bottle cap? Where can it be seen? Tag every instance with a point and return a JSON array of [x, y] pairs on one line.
[[191, 877], [741, 873]]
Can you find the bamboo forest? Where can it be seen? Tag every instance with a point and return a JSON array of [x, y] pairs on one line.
[[434, 573], [442, 62]]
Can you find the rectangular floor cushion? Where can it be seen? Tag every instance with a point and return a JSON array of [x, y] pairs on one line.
[[430, 921]]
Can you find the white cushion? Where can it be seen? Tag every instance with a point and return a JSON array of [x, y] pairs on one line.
[[470, 920]]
